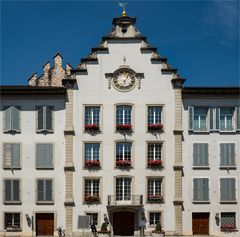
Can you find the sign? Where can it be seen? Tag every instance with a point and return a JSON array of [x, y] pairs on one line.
[[83, 222]]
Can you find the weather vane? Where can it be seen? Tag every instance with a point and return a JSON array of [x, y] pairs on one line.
[[123, 5]]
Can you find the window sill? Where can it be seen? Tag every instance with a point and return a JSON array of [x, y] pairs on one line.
[[92, 203], [229, 202], [12, 203], [12, 131], [44, 202], [227, 167], [9, 229], [229, 230], [44, 168], [155, 167], [11, 168], [199, 131], [45, 131], [123, 167], [201, 168], [201, 202]]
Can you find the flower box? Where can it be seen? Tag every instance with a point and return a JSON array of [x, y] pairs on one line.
[[155, 127], [13, 228], [92, 163], [123, 163], [154, 198], [92, 127], [154, 163], [91, 199], [228, 227], [124, 127]]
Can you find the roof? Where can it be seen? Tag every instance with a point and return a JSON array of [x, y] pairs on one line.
[[211, 90]]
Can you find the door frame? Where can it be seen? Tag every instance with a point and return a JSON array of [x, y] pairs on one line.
[[34, 223], [199, 213]]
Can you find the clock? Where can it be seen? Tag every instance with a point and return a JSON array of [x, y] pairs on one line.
[[124, 79]]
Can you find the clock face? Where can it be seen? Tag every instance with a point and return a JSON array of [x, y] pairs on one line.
[[124, 80]]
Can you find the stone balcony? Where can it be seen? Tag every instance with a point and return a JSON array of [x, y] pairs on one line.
[[133, 200]]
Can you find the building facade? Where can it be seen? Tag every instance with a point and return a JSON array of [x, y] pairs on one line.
[[118, 139]]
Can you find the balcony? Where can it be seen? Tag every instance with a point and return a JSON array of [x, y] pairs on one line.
[[133, 200]]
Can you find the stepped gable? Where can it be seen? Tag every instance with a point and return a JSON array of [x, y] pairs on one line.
[[52, 76], [124, 29]]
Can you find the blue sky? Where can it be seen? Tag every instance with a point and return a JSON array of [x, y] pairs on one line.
[[200, 38]]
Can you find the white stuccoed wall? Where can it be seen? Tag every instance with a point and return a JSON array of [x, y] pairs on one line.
[[214, 173], [28, 174], [155, 89]]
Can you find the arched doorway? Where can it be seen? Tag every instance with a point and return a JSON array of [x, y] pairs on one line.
[[123, 223]]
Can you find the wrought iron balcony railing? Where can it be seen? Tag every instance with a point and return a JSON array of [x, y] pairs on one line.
[[133, 200]]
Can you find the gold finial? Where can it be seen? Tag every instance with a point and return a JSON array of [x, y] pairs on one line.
[[123, 5]]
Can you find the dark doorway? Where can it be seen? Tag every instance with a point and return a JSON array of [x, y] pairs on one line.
[[123, 223], [200, 223], [44, 224]]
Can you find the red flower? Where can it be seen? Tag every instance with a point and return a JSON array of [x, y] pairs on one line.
[[155, 126], [92, 198], [228, 227], [123, 163], [92, 163], [154, 163], [91, 127], [124, 127]]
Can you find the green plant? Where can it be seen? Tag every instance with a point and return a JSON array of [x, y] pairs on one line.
[[158, 227], [104, 227]]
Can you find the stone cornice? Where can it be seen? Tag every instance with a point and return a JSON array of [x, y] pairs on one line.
[[211, 90]]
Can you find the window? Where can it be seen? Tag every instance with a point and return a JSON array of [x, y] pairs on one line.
[[124, 117], [154, 190], [154, 218], [227, 189], [228, 221], [93, 218], [12, 221], [92, 117], [226, 117], [197, 118], [12, 119], [11, 154], [154, 118], [44, 118], [227, 154], [154, 154], [44, 190], [123, 153], [200, 189], [12, 191], [200, 154], [92, 190], [92, 154], [123, 189], [44, 156]]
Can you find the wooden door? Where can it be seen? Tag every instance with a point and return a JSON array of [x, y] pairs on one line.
[[200, 223], [123, 223], [44, 224]]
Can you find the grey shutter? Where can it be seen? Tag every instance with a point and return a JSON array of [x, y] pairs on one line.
[[231, 154], [48, 190], [196, 189], [7, 119], [40, 118], [217, 118], [200, 154], [44, 156], [40, 190], [8, 185], [190, 118], [205, 154], [15, 118], [238, 118], [205, 191], [223, 154], [223, 189], [232, 189], [40, 156], [48, 119], [7, 155], [212, 119], [15, 150], [195, 154], [16, 190]]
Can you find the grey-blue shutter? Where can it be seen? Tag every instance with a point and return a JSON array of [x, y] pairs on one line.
[[205, 189], [231, 153], [8, 195], [16, 190], [190, 118], [217, 118], [232, 189], [7, 155], [40, 118], [15, 118], [40, 156], [195, 154], [48, 190], [48, 119], [205, 154], [223, 189], [223, 154], [7, 119], [40, 190], [15, 151], [196, 189], [44, 156], [238, 118], [48, 150], [212, 119]]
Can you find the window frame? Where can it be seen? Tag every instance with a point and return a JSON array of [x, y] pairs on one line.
[[225, 129], [235, 190], [11, 129], [200, 166], [131, 117], [227, 166], [124, 189], [161, 180], [53, 157], [162, 153], [208, 191], [92, 152], [12, 202], [160, 218], [89, 213], [12, 167], [44, 123], [235, 221], [45, 202], [124, 155], [85, 106], [92, 193], [18, 229]]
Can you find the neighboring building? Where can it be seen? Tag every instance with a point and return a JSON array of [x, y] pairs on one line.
[[121, 140]]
